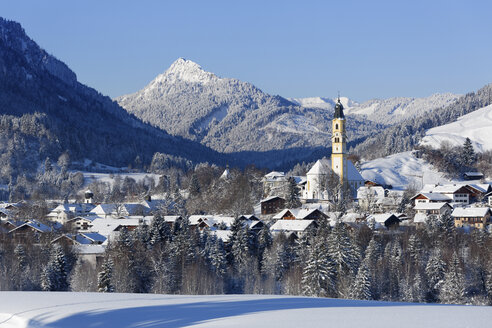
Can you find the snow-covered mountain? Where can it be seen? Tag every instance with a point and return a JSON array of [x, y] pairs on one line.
[[476, 125], [230, 115], [324, 103], [384, 111]]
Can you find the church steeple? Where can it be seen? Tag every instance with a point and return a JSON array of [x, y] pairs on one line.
[[339, 109], [338, 141]]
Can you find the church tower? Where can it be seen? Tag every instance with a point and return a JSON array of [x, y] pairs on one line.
[[338, 142]]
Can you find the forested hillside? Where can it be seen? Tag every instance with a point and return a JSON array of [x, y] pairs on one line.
[[45, 112]]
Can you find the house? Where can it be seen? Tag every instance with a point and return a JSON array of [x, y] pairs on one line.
[[473, 176], [211, 221], [477, 217], [65, 212], [293, 228], [88, 238], [31, 231], [81, 222], [271, 205], [120, 210], [4, 213], [300, 214], [440, 208], [430, 197], [479, 190], [457, 193], [389, 220]]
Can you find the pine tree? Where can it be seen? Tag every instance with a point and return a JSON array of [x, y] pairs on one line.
[[319, 273], [159, 230], [218, 258], [292, 196], [452, 290], [468, 155], [435, 270], [343, 251], [54, 275], [361, 288], [104, 278], [194, 187]]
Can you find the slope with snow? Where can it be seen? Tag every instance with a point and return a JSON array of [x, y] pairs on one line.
[[81, 310], [476, 125], [401, 171], [323, 103], [229, 115]]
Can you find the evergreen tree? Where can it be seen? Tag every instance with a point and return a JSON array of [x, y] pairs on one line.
[[343, 251], [54, 275], [435, 270], [361, 288], [159, 230], [468, 155], [218, 258], [194, 187], [319, 273], [104, 278], [292, 196], [452, 290]]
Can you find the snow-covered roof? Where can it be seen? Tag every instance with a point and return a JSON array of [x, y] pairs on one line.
[[443, 189], [470, 212], [381, 218], [171, 218], [430, 206], [226, 174], [41, 227], [481, 187], [269, 198], [291, 225], [434, 196], [323, 166], [300, 179], [274, 175], [366, 192]]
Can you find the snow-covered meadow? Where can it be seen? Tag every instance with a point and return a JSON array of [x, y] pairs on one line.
[[82, 310], [401, 170]]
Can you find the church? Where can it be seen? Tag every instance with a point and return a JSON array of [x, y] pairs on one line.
[[338, 164]]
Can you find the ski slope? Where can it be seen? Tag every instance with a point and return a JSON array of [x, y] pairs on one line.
[[81, 310], [475, 125], [401, 171]]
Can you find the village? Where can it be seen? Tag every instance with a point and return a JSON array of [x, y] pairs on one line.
[[333, 191]]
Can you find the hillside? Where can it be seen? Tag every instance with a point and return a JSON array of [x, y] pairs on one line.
[[476, 125], [405, 135], [229, 115], [52, 309], [45, 111]]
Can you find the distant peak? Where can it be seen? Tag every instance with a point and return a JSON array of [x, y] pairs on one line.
[[186, 70]]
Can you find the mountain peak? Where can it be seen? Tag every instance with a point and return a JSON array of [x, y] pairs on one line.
[[188, 71]]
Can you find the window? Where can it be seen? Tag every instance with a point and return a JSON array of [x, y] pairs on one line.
[[336, 126]]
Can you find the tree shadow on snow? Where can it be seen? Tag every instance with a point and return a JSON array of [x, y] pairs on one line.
[[179, 315]]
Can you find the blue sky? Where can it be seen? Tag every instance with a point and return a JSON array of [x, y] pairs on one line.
[[365, 49]]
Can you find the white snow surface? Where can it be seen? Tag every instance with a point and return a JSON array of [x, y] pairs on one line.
[[401, 170], [109, 178], [476, 125], [321, 102], [81, 310]]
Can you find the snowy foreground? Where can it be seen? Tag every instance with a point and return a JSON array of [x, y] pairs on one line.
[[77, 310]]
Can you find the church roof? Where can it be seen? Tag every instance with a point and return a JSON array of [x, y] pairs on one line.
[[323, 166]]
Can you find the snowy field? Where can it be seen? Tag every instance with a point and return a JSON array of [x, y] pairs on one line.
[[401, 170], [82, 310], [475, 125]]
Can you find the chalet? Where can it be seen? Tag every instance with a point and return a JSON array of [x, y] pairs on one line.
[[300, 214], [477, 217], [271, 205], [82, 223], [211, 221], [458, 194], [30, 230], [478, 191], [440, 208], [293, 228], [430, 197], [65, 212], [389, 220]]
